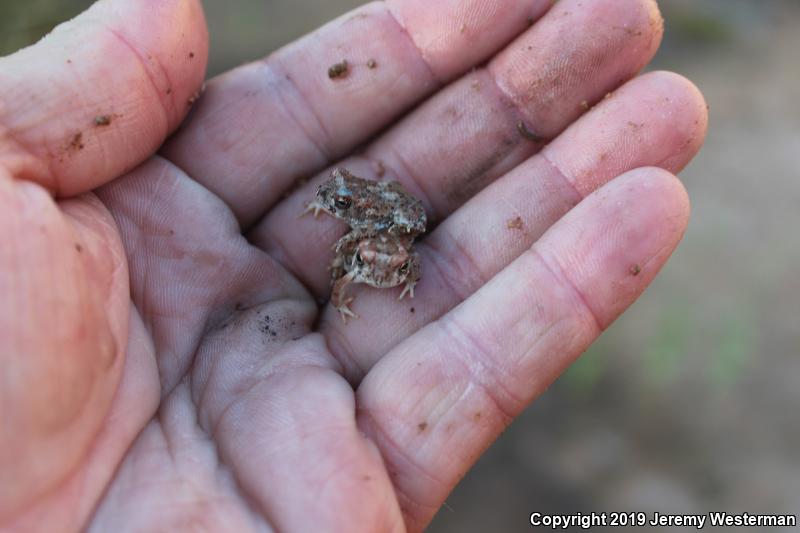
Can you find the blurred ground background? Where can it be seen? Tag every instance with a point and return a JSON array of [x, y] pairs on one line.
[[689, 403]]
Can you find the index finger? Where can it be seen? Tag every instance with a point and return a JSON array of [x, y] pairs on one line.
[[271, 122]]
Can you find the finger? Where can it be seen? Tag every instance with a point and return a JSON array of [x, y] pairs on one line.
[[439, 399], [291, 425], [264, 125], [658, 119], [469, 134], [100, 93], [64, 323]]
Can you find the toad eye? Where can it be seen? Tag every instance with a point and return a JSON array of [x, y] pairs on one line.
[[359, 259], [343, 202], [403, 270]]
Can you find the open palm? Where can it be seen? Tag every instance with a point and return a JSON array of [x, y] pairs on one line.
[[169, 361]]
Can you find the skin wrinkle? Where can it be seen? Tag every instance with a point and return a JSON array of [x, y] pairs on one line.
[[219, 466], [342, 351], [563, 280], [261, 377], [394, 455], [508, 101], [324, 146], [169, 116], [562, 175], [23, 163], [460, 280], [461, 186], [473, 347], [257, 511], [282, 253], [434, 77]]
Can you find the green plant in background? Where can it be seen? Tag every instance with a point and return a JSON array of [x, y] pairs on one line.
[[716, 346], [586, 373], [735, 340], [23, 22], [692, 25], [666, 350]]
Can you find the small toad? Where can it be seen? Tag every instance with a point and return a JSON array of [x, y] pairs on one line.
[[369, 207], [383, 261], [384, 220]]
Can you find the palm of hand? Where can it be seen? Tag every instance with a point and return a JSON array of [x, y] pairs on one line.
[[174, 365]]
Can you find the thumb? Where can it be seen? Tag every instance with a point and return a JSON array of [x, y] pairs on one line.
[[100, 93]]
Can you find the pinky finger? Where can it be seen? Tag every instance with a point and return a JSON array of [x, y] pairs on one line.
[[437, 401]]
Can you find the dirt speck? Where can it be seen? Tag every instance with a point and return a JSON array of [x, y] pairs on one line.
[[78, 248], [192, 99], [169, 90], [422, 426], [191, 55], [527, 133], [585, 105], [530, 21], [339, 70], [463, 28], [76, 142], [635, 270], [515, 223], [371, 64], [102, 120], [413, 310], [380, 169]]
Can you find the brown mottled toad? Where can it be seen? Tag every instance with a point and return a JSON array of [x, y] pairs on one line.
[[384, 220], [383, 261]]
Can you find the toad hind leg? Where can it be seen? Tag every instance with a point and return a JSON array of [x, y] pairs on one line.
[[342, 250]]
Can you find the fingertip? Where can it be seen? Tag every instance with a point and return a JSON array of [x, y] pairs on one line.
[[454, 35], [661, 190], [690, 116], [614, 243], [659, 119], [589, 47]]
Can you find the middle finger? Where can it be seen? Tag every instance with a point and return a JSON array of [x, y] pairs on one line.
[[483, 125]]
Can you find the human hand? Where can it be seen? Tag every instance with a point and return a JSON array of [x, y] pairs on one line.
[[163, 371]]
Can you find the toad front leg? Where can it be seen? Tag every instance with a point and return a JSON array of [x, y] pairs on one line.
[[413, 276], [343, 251], [338, 298]]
